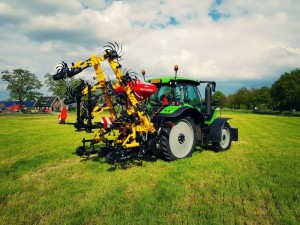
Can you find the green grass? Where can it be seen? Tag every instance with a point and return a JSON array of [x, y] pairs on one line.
[[43, 182]]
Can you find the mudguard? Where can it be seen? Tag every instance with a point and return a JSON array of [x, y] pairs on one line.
[[216, 128]]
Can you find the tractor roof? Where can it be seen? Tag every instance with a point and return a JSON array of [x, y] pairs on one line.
[[167, 80]]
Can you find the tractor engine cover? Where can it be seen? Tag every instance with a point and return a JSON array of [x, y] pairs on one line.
[[141, 90]]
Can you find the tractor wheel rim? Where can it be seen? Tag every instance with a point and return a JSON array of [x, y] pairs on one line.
[[225, 137], [181, 139]]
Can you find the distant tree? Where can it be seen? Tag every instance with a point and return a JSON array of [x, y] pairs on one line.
[[57, 87], [230, 101], [243, 97], [261, 97], [220, 98], [285, 91], [22, 85]]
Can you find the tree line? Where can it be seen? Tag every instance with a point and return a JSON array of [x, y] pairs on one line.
[[282, 95]]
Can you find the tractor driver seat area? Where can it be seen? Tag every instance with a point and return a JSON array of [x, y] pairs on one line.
[[164, 100], [165, 95]]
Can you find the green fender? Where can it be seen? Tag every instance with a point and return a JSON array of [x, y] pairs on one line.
[[181, 111]]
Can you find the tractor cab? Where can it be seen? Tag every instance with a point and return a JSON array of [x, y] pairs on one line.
[[173, 95], [171, 91]]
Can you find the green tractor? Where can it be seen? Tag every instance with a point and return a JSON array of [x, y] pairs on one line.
[[184, 120]]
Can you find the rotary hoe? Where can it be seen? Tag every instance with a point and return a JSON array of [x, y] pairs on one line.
[[159, 117]]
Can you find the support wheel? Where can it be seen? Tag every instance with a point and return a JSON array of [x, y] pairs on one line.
[[102, 152], [225, 142], [179, 141], [111, 158], [80, 150]]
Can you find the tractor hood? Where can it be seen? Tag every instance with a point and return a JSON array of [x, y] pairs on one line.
[[174, 111]]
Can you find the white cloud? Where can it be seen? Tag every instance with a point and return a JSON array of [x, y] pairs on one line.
[[249, 41]]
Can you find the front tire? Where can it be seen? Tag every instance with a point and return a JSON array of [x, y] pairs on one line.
[[225, 142], [179, 141]]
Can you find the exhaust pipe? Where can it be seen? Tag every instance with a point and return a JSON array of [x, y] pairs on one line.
[[208, 100]]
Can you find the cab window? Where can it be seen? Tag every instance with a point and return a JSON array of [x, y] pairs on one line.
[[187, 94], [164, 95]]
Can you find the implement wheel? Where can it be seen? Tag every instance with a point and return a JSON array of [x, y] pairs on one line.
[[111, 158], [179, 141], [80, 150], [102, 152], [225, 142]]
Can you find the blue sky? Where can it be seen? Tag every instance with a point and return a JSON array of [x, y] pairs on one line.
[[237, 43]]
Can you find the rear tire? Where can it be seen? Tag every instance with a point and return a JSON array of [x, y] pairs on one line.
[[225, 142], [179, 141]]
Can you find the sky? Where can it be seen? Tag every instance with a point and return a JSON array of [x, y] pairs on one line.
[[237, 43]]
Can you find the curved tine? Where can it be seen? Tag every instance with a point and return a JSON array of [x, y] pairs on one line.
[[62, 66], [119, 58], [113, 46], [81, 87], [72, 88], [65, 64], [132, 72], [80, 83], [84, 105], [67, 90], [109, 46], [120, 50], [73, 91], [129, 71], [59, 67], [70, 91], [74, 85], [117, 48], [124, 71], [77, 88], [106, 47]]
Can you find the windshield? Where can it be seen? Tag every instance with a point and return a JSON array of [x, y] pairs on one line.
[[175, 95]]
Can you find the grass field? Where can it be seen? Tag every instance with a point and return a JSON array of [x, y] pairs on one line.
[[43, 182]]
